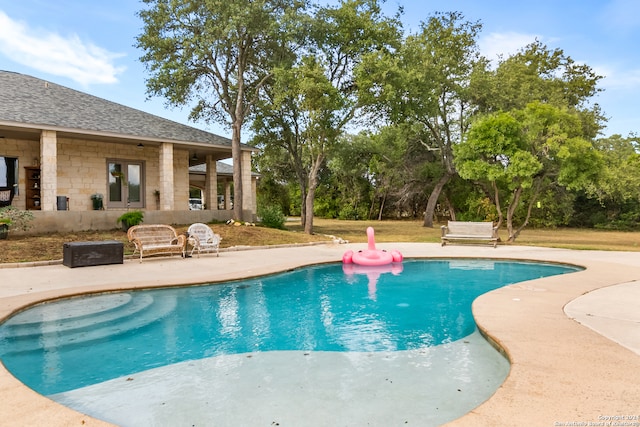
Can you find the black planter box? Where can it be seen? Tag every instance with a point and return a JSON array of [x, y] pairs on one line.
[[84, 254]]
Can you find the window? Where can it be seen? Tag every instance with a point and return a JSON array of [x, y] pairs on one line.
[[9, 173], [126, 184]]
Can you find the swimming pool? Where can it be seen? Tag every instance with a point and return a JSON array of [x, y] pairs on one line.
[[319, 311]]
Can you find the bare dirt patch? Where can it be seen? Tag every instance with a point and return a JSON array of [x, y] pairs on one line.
[[47, 247]]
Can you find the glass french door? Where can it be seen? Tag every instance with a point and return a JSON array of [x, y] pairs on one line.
[[126, 185]]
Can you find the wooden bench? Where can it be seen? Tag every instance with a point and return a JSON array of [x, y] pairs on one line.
[[84, 254], [470, 232], [156, 239]]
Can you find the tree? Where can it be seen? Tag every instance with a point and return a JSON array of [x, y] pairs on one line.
[[520, 154], [552, 94], [299, 122], [388, 168], [428, 82], [348, 188], [537, 73], [620, 177], [217, 54], [614, 200], [308, 105]]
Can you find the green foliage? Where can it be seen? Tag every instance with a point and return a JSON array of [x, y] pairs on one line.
[[212, 54], [16, 218], [427, 81], [271, 192], [353, 213], [478, 208], [309, 101], [619, 180], [625, 221], [346, 186], [272, 217], [612, 215], [554, 207], [304, 72], [533, 140], [131, 218], [329, 198], [495, 150], [426, 78], [537, 73], [215, 57], [524, 153]]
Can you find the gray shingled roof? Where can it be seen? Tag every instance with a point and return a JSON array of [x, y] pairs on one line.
[[33, 101]]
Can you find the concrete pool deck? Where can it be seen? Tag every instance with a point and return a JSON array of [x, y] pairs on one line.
[[573, 340]]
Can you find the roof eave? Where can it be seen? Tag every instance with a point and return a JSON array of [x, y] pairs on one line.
[[114, 135]]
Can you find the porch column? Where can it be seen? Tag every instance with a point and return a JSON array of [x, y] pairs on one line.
[[254, 195], [227, 194], [248, 203], [211, 185], [48, 170], [166, 177]]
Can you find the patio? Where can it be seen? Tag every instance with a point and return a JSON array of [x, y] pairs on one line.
[[575, 358]]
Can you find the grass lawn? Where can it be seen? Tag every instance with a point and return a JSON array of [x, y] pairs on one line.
[[413, 231], [49, 247]]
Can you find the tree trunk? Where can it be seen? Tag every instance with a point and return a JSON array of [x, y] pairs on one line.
[[496, 201], [510, 211], [308, 223], [433, 200], [450, 208], [382, 202], [311, 193], [372, 207], [236, 156], [302, 182], [303, 208], [532, 201], [237, 117]]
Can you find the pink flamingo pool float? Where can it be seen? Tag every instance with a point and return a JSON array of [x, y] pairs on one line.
[[371, 256]]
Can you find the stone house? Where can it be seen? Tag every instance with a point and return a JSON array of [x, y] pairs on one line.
[[61, 149]]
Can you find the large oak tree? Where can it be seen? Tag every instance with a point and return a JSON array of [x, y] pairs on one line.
[[427, 82], [308, 105], [216, 56], [520, 154]]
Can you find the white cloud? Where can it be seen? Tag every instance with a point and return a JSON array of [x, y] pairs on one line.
[[619, 79], [69, 57], [496, 45]]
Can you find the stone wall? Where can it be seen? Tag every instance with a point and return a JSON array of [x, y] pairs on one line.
[[81, 170]]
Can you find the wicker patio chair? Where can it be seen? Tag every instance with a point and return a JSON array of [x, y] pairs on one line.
[[156, 239], [203, 239]]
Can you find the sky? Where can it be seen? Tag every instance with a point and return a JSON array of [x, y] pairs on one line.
[[89, 45]]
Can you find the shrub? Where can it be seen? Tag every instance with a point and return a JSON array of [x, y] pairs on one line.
[[272, 217], [349, 212], [130, 218]]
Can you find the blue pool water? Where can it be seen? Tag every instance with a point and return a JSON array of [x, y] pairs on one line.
[[68, 344]]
